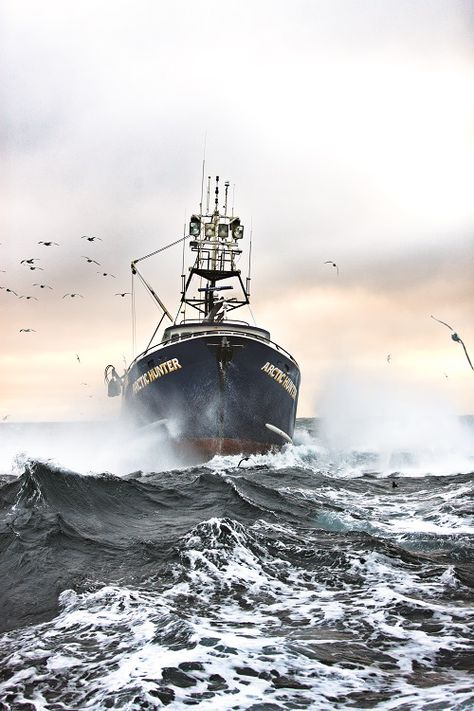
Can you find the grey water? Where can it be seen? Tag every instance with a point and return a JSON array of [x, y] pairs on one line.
[[335, 574]]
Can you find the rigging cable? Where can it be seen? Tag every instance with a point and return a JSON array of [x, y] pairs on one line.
[[134, 271], [153, 295], [183, 276], [247, 288], [162, 249], [154, 333], [251, 313], [134, 323]]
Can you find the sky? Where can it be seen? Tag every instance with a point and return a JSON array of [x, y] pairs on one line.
[[347, 129]]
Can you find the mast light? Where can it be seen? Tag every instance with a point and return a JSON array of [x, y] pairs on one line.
[[195, 226], [210, 229], [237, 228], [223, 231]]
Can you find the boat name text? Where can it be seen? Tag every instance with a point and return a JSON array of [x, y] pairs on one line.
[[154, 373], [281, 378]]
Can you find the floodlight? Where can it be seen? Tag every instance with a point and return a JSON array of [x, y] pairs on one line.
[[195, 226], [237, 228], [223, 231]]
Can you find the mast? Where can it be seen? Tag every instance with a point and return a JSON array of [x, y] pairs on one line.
[[215, 240]]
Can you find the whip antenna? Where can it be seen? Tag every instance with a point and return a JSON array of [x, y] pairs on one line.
[[208, 193], [202, 176], [226, 185], [216, 199], [250, 258]]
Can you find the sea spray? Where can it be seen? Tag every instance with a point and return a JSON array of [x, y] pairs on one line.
[[407, 427]]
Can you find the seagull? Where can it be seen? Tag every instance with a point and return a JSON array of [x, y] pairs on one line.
[[27, 330], [10, 291], [44, 286], [5, 417], [245, 459], [49, 244], [333, 264], [90, 239], [106, 274], [124, 293], [78, 359], [72, 296], [85, 384], [456, 338], [29, 261], [91, 261], [389, 358], [28, 297], [33, 268]]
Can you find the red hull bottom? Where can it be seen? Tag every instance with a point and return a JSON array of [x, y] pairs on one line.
[[207, 448]]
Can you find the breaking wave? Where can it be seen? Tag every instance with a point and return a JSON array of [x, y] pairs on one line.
[[292, 580]]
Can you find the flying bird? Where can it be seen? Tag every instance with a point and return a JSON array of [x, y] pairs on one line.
[[49, 244], [33, 268], [124, 293], [106, 274], [389, 358], [29, 261], [91, 261], [333, 264], [44, 286], [28, 297], [73, 296], [90, 239], [10, 291], [5, 417], [27, 330], [77, 358], [456, 338]]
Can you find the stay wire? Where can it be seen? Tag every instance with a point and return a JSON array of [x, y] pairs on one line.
[[133, 317], [162, 249]]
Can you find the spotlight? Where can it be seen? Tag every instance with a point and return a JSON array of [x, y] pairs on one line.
[[195, 226], [223, 231], [237, 228]]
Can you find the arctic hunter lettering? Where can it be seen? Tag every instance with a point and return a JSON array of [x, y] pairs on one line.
[[281, 378], [158, 371]]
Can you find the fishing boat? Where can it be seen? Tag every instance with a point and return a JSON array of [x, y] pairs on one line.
[[213, 384]]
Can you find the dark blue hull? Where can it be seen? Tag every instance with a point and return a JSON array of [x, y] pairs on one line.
[[216, 392]]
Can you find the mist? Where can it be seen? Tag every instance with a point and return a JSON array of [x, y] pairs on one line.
[[407, 428]]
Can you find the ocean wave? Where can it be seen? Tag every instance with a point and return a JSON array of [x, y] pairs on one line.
[[223, 586]]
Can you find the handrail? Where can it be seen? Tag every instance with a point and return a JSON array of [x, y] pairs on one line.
[[195, 321], [213, 333]]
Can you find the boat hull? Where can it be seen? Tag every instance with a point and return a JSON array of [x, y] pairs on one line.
[[215, 393]]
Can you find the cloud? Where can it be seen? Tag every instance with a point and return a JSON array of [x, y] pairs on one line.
[[346, 128]]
